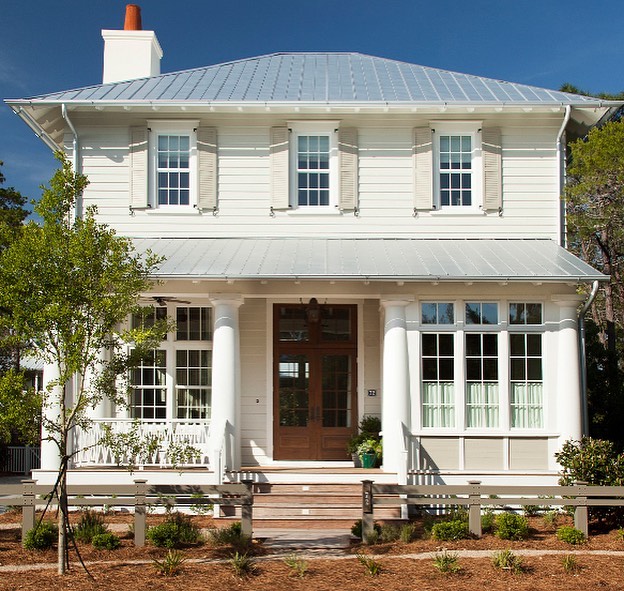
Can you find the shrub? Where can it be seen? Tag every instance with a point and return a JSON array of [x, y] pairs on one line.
[[447, 562], [176, 530], [42, 536], [356, 528], [450, 530], [390, 532], [487, 520], [171, 564], [408, 533], [507, 560], [550, 518], [90, 524], [510, 526], [570, 535], [106, 541]]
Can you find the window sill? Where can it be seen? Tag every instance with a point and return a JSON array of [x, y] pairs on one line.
[[183, 210], [459, 211], [324, 210]]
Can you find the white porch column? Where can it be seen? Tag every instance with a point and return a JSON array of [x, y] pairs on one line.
[[104, 409], [395, 403], [50, 458], [569, 412], [226, 377]]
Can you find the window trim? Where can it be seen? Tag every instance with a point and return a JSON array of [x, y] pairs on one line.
[[303, 128], [473, 129], [184, 127]]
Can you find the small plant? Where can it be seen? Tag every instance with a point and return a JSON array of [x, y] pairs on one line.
[[450, 530], [571, 535], [370, 564], [507, 560], [41, 537], [487, 520], [407, 533], [356, 528], [510, 526], [531, 510], [106, 541], [371, 538], [390, 532], [243, 565], [91, 524], [447, 562], [230, 536], [620, 534], [176, 530], [298, 566], [171, 564], [199, 507], [570, 564], [551, 518]]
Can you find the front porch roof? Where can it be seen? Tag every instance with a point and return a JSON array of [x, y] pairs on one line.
[[372, 259]]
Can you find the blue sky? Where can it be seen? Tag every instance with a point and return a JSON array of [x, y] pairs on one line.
[[49, 45]]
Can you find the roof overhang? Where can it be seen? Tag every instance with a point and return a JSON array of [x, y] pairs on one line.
[[366, 259]]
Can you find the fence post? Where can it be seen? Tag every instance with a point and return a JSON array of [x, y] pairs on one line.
[[580, 510], [247, 509], [140, 493], [28, 507], [474, 508], [367, 510]]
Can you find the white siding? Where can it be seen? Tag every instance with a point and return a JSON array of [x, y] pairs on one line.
[[386, 183]]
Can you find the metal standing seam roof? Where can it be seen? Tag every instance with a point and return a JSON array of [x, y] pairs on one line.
[[319, 77], [375, 259]]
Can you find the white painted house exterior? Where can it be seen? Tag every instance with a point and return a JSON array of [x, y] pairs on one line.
[[345, 235]]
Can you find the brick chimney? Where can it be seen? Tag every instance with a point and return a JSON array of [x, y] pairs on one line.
[[131, 53]]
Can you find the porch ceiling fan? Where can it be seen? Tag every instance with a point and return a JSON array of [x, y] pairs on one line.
[[162, 300]]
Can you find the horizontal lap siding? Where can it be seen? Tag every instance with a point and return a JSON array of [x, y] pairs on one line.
[[386, 194]]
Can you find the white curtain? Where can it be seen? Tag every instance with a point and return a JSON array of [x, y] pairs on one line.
[[482, 404], [527, 405], [438, 404]]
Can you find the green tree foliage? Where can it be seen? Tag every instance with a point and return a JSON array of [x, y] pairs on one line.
[[12, 212], [571, 88], [595, 208], [20, 409], [66, 286]]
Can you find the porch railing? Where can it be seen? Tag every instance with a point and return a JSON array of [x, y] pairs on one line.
[[171, 436], [22, 459]]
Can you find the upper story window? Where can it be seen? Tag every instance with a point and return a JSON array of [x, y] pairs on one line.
[[524, 313], [314, 165], [173, 167], [481, 313], [437, 313], [457, 165]]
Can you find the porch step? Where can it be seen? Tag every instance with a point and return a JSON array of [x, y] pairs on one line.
[[323, 505]]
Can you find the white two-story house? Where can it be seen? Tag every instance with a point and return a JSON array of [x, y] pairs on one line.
[[344, 235]]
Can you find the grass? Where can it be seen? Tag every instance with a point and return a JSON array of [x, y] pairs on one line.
[[507, 560], [298, 566], [447, 562], [371, 565]]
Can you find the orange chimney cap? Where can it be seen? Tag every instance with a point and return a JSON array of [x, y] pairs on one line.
[[133, 18]]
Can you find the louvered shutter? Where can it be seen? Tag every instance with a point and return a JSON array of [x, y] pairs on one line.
[[491, 147], [138, 167], [423, 168], [279, 167], [207, 167], [348, 148]]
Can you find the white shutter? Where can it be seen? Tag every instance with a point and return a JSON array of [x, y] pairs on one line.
[[423, 168], [491, 147], [279, 160], [138, 167], [348, 149], [207, 167]]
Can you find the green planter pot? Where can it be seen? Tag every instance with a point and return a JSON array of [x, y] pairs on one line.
[[368, 460]]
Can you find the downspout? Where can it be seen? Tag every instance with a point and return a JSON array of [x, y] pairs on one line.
[[75, 157], [561, 161], [583, 359]]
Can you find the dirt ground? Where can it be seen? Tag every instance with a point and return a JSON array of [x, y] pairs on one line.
[[402, 566]]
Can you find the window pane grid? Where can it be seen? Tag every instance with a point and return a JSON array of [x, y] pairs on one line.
[[173, 170], [437, 313], [193, 379], [193, 324], [313, 170], [438, 391], [482, 388], [148, 387], [527, 391], [455, 170]]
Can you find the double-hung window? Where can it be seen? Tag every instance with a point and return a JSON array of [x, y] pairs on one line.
[[314, 165], [457, 166], [173, 164], [526, 366]]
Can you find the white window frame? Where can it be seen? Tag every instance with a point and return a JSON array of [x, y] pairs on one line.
[[305, 128], [464, 128], [157, 128]]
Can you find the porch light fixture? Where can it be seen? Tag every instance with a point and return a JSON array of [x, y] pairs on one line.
[[313, 311]]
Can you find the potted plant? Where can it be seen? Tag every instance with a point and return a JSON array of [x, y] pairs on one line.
[[369, 452], [369, 428]]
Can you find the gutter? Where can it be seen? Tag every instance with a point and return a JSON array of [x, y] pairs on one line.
[[75, 157], [561, 161], [583, 359]]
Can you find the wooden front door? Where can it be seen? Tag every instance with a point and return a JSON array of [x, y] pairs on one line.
[[314, 377]]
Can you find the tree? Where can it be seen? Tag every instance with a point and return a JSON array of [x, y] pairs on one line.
[[66, 286], [595, 207]]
